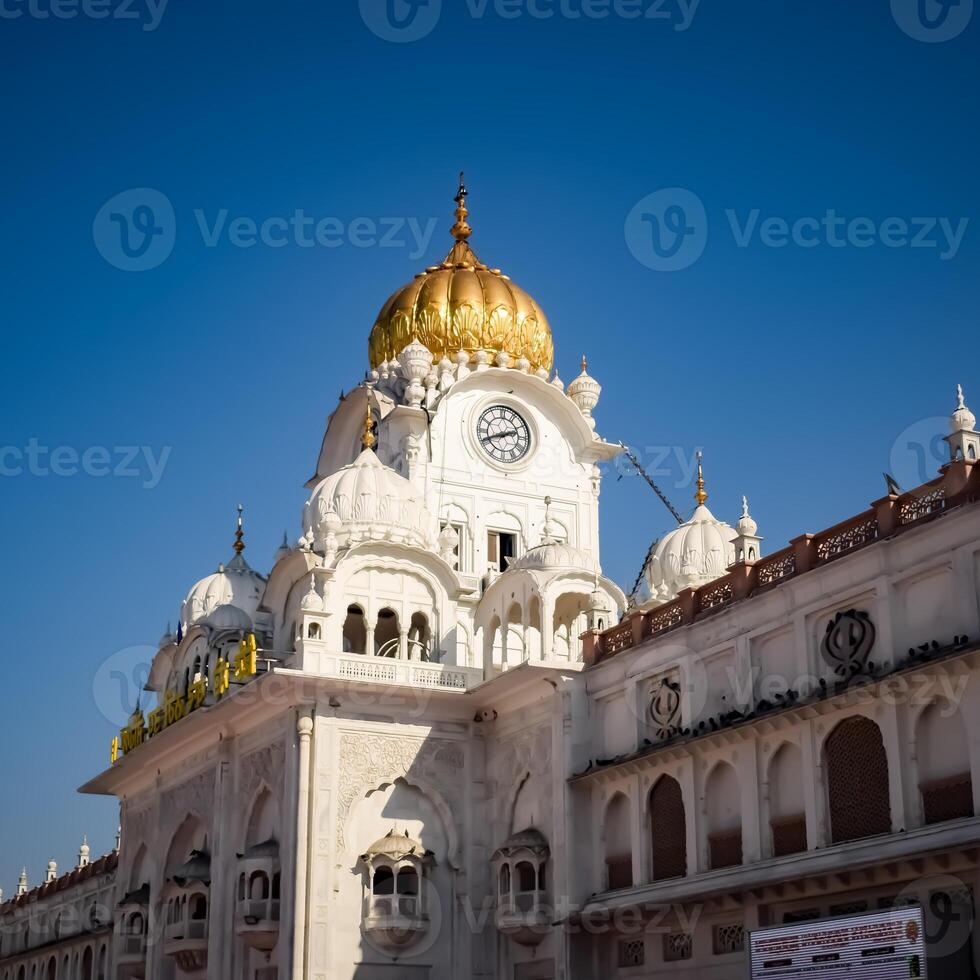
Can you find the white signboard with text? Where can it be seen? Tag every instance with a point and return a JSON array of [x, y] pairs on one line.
[[887, 945]]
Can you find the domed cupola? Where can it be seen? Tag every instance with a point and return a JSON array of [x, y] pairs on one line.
[[553, 553], [697, 552], [367, 501], [462, 306], [234, 585]]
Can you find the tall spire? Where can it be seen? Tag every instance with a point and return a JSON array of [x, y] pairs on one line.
[[239, 532], [461, 231], [368, 439], [702, 495]]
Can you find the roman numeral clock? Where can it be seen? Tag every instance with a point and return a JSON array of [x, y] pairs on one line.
[[503, 434]]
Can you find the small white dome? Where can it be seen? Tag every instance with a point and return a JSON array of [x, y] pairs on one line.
[[556, 554], [746, 523], [228, 617], [697, 552], [234, 584], [367, 500], [962, 420]]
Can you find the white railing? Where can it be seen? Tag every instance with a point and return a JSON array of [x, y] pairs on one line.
[[403, 673]]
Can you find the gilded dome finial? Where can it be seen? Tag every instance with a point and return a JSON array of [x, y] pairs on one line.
[[461, 230], [240, 532], [701, 496], [368, 440]]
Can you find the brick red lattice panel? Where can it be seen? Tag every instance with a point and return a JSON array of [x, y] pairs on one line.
[[789, 835], [726, 848], [857, 780], [948, 799], [669, 828]]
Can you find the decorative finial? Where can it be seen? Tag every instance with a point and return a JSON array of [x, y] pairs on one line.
[[239, 532], [960, 397], [585, 364], [368, 440], [461, 230], [701, 496], [745, 506]]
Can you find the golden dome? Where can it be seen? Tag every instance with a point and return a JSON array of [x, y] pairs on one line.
[[462, 305]]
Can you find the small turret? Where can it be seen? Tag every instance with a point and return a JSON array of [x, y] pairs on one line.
[[84, 852], [963, 439], [52, 872]]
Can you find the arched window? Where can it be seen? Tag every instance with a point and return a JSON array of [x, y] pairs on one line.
[[723, 806], [199, 908], [408, 881], [504, 881], [276, 880], [241, 888], [258, 886], [668, 826], [515, 634], [619, 846], [787, 815], [384, 882], [418, 637], [52, 969], [355, 631], [87, 964], [944, 764], [313, 631], [857, 781], [527, 878], [386, 634]]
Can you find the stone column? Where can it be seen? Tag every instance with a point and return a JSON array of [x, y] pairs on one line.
[[304, 729]]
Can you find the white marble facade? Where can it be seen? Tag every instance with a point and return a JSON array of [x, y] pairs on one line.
[[462, 756]]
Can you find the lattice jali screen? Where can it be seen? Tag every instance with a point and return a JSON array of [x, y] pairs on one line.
[[729, 938], [632, 952], [678, 946], [857, 781], [668, 826], [788, 835], [948, 799], [726, 848]]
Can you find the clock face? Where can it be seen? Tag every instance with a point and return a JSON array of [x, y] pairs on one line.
[[503, 434]]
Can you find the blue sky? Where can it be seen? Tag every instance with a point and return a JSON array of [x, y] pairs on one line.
[[803, 369]]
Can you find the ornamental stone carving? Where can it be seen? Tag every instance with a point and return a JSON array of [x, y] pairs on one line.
[[194, 796], [847, 643], [368, 759], [263, 766], [665, 706]]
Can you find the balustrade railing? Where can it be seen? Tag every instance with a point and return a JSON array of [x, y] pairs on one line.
[[959, 484]]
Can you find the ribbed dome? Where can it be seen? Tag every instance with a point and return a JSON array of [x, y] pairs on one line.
[[556, 554], [395, 846], [697, 552], [367, 500], [462, 305], [234, 584]]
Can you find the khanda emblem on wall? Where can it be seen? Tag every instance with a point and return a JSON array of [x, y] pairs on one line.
[[847, 643], [665, 707]]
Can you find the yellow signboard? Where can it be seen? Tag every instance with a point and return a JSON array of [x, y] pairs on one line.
[[177, 706]]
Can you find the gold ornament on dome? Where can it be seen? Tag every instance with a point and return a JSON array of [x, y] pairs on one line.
[[463, 305]]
